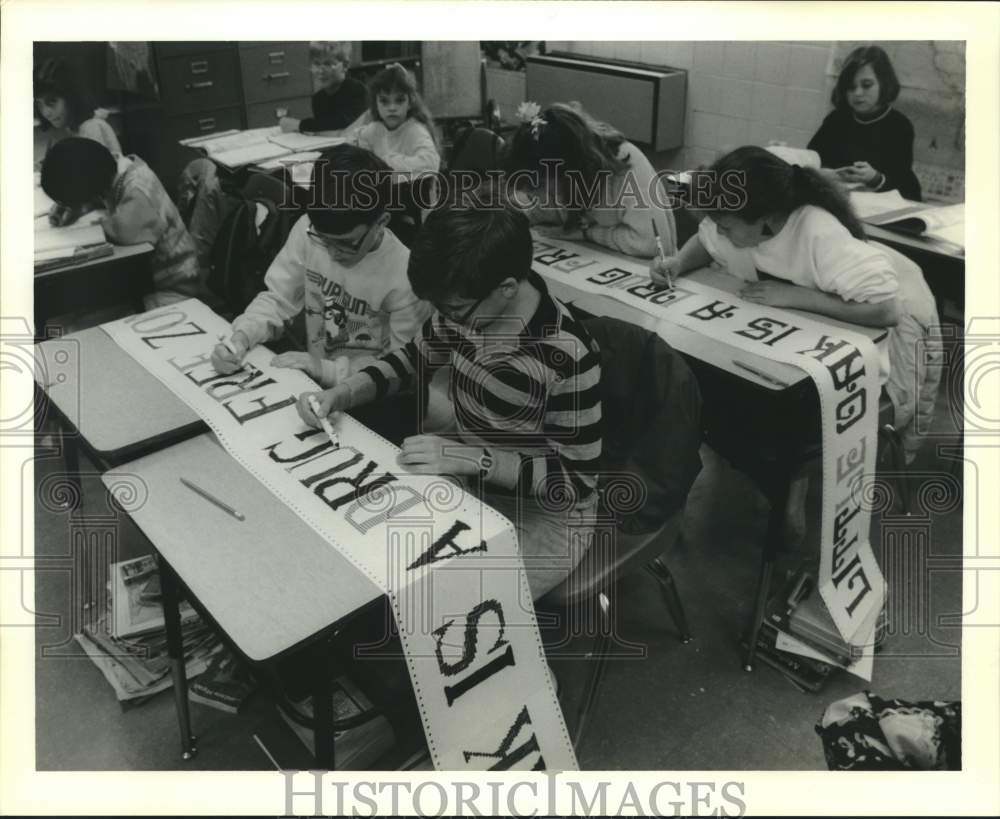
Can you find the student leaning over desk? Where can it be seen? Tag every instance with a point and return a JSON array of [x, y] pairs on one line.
[[600, 184], [794, 227], [80, 174], [512, 384], [345, 268]]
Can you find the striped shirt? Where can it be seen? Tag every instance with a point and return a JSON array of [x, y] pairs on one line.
[[533, 397]]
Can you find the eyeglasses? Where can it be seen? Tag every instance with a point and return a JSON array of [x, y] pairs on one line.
[[464, 317], [330, 242]]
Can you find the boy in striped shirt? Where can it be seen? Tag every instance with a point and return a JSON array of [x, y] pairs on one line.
[[513, 385]]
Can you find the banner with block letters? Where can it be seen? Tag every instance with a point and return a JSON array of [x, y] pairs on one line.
[[449, 563], [844, 366]]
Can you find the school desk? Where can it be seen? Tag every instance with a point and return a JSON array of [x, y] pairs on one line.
[[106, 401], [94, 283], [766, 424], [268, 582]]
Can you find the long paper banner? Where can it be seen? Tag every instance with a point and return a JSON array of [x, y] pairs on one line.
[[449, 563], [843, 364]]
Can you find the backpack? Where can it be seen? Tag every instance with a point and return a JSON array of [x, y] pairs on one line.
[[243, 250]]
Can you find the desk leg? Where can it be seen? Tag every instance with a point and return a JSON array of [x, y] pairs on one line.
[[175, 650], [777, 494], [322, 699]]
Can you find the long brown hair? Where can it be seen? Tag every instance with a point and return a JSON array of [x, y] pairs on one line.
[[751, 183], [394, 79]]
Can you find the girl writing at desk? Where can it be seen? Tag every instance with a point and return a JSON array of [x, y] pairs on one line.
[[791, 235], [590, 180]]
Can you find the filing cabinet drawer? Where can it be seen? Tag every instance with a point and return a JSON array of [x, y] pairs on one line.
[[273, 71], [204, 123], [174, 49], [200, 82], [264, 113]]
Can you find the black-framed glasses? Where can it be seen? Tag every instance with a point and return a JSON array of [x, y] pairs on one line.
[[339, 244], [464, 317]]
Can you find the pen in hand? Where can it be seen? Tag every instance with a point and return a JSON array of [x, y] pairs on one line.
[[661, 254], [324, 422]]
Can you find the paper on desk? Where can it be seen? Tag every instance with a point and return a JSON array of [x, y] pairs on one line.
[[241, 139], [42, 202], [288, 160], [306, 142], [69, 237], [250, 154], [866, 203]]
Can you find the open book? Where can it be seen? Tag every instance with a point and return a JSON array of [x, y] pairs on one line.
[[57, 246], [261, 145], [892, 212]]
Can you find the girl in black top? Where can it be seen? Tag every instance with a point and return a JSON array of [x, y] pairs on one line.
[[864, 138]]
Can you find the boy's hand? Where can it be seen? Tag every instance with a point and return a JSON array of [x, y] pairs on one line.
[[773, 294], [664, 271], [330, 401], [434, 455], [224, 360], [310, 365], [61, 215], [858, 172], [289, 124]]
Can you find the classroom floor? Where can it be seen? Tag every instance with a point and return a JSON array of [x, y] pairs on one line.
[[680, 707]]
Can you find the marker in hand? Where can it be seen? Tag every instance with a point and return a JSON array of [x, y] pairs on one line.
[[225, 342], [324, 422], [659, 250]]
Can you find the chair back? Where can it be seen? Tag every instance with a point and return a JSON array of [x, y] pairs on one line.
[[651, 425]]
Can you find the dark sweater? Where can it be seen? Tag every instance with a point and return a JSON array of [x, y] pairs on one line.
[[332, 112], [886, 144]]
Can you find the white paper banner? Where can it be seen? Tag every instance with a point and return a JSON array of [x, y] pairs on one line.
[[843, 364], [449, 564]]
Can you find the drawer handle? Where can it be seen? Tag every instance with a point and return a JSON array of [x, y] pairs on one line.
[[276, 57], [281, 75], [197, 86], [206, 124], [199, 66]]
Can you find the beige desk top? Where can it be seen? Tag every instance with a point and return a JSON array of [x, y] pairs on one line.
[[106, 394], [269, 581]]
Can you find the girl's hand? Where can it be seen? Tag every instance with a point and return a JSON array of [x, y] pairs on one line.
[[289, 125], [858, 172], [310, 365], [664, 271], [773, 294], [434, 455], [330, 401], [61, 215], [559, 231]]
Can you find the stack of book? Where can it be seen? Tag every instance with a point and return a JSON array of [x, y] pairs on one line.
[[127, 640], [354, 748], [800, 639]]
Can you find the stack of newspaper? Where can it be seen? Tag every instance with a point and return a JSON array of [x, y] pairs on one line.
[[127, 640]]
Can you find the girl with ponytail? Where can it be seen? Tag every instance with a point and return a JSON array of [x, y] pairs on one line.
[[793, 238]]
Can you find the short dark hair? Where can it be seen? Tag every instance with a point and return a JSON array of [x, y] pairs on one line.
[[54, 78], [76, 170], [888, 82], [350, 187], [467, 251]]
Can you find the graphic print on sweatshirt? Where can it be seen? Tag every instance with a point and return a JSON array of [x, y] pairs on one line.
[[346, 320]]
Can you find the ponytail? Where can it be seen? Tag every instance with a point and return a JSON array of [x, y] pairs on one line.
[[769, 186], [810, 188]]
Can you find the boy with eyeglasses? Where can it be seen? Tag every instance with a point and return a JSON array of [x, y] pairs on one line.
[[345, 268], [519, 417]]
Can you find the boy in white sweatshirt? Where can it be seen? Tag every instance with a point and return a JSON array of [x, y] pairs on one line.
[[345, 268]]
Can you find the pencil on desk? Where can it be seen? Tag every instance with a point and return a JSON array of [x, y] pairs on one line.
[[212, 499]]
